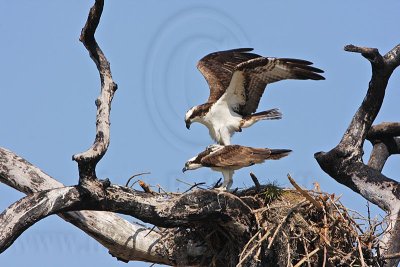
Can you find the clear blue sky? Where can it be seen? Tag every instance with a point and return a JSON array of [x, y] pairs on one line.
[[49, 85]]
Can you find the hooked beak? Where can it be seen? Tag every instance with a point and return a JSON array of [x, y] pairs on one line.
[[188, 125], [184, 169]]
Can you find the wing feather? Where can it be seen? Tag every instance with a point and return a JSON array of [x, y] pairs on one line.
[[236, 156], [259, 72], [217, 68]]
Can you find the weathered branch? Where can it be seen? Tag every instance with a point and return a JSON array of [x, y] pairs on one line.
[[196, 208], [188, 210], [385, 141], [88, 160], [123, 239], [383, 131], [344, 162], [32, 208], [205, 206]]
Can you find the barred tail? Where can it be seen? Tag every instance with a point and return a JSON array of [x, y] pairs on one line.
[[272, 114], [279, 153]]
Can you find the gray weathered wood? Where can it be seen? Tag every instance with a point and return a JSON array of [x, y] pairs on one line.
[[125, 240]]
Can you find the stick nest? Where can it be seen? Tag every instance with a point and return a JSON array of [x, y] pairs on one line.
[[294, 231], [293, 227]]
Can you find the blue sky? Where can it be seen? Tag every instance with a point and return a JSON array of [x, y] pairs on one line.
[[49, 85]]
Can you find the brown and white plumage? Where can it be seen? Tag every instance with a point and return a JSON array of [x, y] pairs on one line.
[[237, 80], [227, 159]]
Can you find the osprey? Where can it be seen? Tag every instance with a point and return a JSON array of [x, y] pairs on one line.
[[227, 159], [237, 80]]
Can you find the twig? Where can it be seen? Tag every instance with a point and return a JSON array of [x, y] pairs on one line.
[[193, 186], [256, 182], [161, 189], [151, 230], [326, 228], [369, 214], [391, 256], [306, 257], [186, 183], [135, 175], [306, 251], [217, 184], [249, 242], [304, 193], [253, 248], [361, 254], [282, 222], [145, 187], [289, 263]]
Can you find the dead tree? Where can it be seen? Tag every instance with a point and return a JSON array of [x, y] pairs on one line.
[[344, 163], [126, 241], [208, 227]]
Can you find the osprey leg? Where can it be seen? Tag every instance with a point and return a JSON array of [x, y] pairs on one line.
[[226, 185]]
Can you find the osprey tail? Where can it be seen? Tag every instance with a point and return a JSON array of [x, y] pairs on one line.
[[272, 114], [279, 153]]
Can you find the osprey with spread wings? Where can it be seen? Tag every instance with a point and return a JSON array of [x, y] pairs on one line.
[[237, 80]]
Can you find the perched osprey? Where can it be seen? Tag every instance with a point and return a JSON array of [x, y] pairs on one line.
[[237, 80], [227, 159]]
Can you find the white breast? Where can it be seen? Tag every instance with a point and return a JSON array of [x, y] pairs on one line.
[[222, 122]]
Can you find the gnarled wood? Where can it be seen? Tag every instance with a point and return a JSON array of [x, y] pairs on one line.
[[88, 160], [344, 162], [123, 239], [202, 207]]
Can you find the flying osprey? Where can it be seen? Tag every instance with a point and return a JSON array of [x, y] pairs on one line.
[[237, 80], [227, 159]]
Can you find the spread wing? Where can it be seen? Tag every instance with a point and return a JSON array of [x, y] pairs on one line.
[[251, 77], [236, 156], [217, 69]]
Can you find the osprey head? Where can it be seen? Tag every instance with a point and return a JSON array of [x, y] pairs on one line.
[[196, 113], [192, 164]]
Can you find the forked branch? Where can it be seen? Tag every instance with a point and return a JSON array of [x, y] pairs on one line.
[[344, 162]]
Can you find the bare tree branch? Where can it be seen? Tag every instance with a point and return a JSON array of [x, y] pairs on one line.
[[385, 141], [344, 162], [88, 160], [124, 240], [199, 207], [162, 210], [32, 208]]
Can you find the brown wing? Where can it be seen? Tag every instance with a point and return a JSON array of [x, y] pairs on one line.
[[261, 71], [236, 156], [217, 69]]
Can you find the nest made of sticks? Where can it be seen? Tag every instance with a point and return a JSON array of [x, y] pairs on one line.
[[309, 228], [294, 227]]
